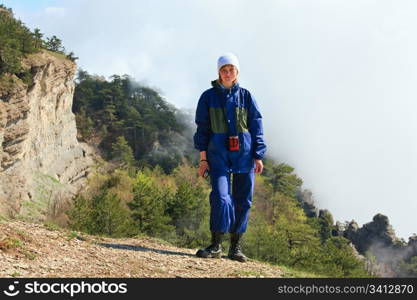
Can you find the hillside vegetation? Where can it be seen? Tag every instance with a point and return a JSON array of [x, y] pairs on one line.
[[131, 122]]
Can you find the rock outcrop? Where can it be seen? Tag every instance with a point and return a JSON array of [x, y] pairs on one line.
[[375, 242], [41, 162], [378, 239], [377, 232]]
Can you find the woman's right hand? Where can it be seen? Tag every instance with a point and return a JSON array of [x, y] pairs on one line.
[[204, 166]]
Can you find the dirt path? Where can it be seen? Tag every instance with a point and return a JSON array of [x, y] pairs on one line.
[[34, 250]]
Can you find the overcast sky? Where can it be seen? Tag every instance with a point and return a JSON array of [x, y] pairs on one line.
[[335, 80]]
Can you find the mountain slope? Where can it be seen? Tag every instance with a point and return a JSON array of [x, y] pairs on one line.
[[36, 250]]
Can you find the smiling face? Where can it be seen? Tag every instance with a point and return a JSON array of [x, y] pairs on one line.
[[228, 75]]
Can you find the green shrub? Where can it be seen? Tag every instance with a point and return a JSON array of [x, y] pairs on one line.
[[102, 214]]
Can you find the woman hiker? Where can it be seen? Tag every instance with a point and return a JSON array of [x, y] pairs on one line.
[[229, 137]]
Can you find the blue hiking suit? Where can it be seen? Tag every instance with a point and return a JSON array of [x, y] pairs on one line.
[[222, 112]]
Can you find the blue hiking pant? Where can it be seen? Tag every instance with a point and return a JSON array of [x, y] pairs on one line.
[[230, 201]]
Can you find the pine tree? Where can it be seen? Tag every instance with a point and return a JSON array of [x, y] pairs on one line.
[[109, 216], [37, 35], [71, 56], [122, 151], [149, 205], [54, 44]]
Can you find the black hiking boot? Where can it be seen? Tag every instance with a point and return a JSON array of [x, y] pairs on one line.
[[215, 249], [235, 251]]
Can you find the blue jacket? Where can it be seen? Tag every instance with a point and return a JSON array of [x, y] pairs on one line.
[[238, 107]]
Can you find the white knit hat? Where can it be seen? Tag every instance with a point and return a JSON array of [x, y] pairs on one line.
[[227, 59]]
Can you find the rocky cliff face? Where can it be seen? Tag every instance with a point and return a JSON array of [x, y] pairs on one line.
[[41, 162]]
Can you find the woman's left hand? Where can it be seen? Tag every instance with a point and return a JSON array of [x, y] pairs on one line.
[[259, 166]]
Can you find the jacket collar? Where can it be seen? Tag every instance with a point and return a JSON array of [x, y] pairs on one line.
[[216, 84]]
